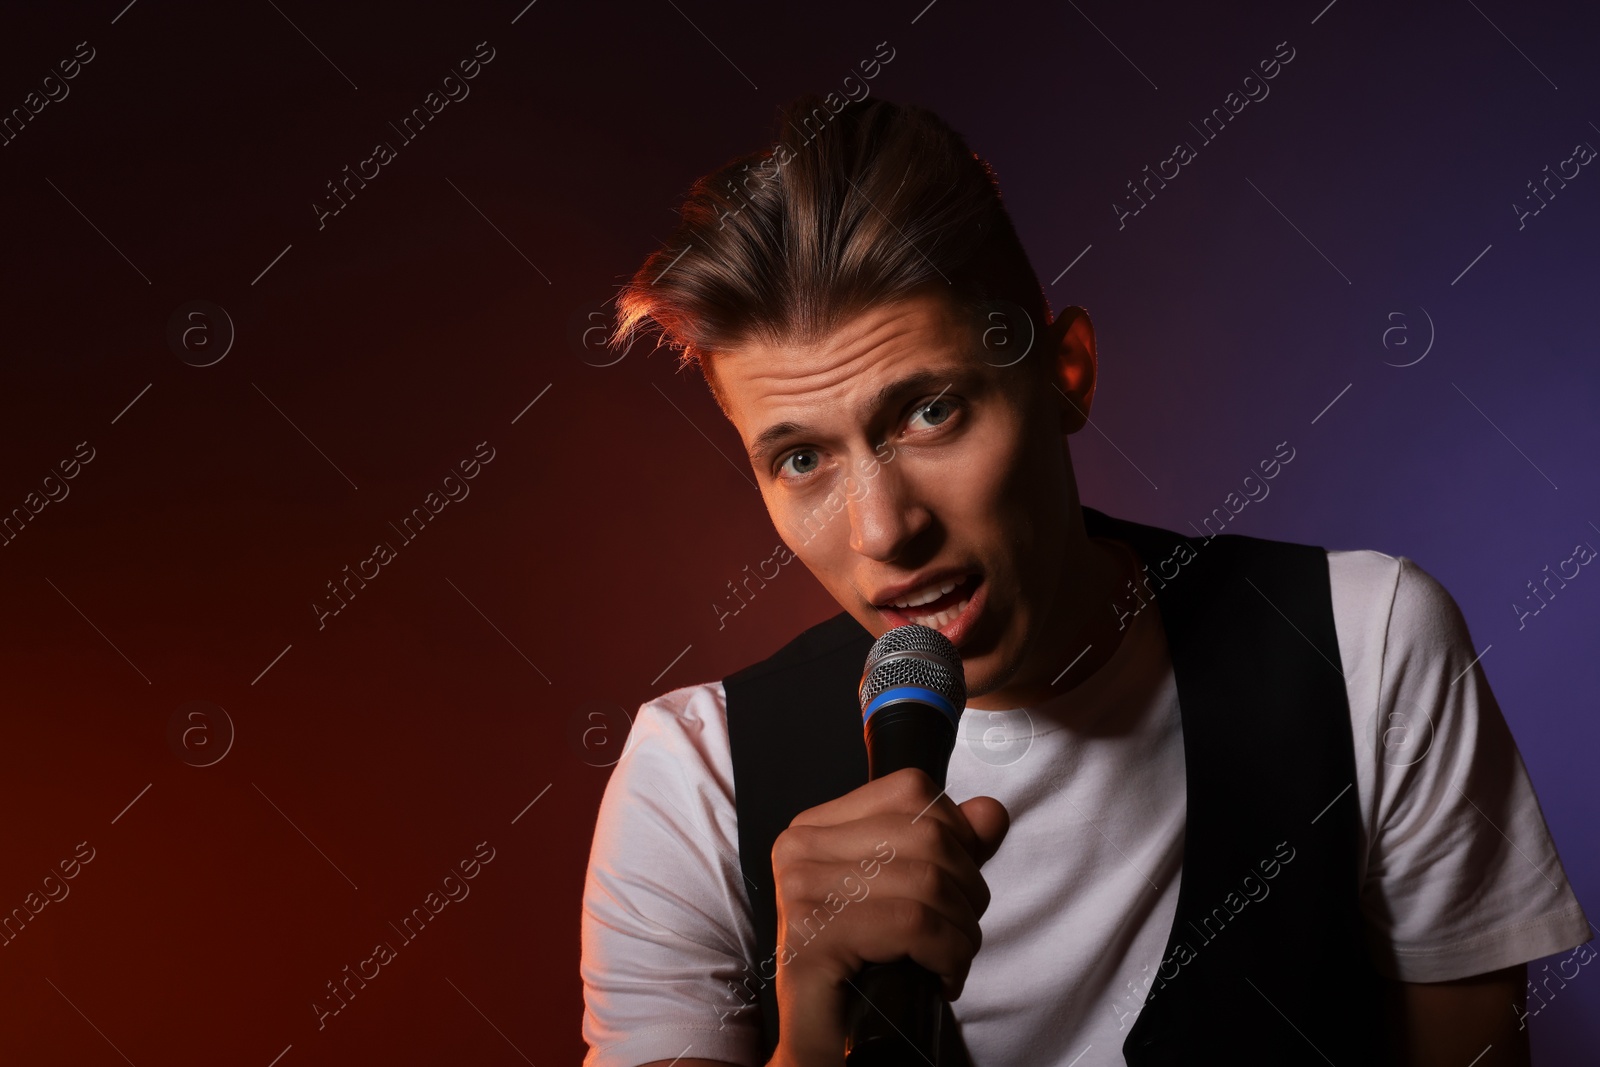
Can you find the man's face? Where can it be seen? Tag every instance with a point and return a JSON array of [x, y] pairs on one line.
[[917, 481]]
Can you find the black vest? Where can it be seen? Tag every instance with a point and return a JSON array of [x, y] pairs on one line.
[[1269, 758]]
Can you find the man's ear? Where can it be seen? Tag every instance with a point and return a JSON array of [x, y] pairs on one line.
[[1071, 364]]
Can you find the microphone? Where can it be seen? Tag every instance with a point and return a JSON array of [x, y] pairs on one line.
[[912, 692]]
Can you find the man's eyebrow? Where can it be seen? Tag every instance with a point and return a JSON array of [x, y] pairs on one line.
[[769, 439]]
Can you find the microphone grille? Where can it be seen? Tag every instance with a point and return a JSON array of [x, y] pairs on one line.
[[914, 655]]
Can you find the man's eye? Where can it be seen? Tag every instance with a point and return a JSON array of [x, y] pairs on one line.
[[935, 412], [799, 463]]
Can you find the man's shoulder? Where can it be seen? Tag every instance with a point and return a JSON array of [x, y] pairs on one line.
[[699, 711], [1394, 592], [1365, 572], [1357, 574], [671, 726], [1374, 594], [1218, 555]]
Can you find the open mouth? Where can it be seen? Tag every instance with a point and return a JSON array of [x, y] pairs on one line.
[[938, 606]]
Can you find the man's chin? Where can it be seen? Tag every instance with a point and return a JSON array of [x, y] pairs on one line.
[[990, 665]]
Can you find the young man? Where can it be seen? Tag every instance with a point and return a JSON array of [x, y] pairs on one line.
[[1157, 881]]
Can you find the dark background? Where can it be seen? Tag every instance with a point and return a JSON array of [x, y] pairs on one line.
[[472, 676]]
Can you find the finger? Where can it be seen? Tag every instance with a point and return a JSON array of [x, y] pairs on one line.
[[909, 791], [989, 821], [931, 842], [865, 848], [888, 929], [933, 885]]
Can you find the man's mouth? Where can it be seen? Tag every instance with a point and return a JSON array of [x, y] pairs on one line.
[[936, 605]]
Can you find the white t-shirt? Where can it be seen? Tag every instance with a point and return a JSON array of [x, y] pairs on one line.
[[1459, 875]]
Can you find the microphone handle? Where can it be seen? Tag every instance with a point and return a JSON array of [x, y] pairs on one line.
[[905, 991], [894, 1018]]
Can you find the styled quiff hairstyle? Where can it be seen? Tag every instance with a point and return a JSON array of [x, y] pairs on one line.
[[850, 208]]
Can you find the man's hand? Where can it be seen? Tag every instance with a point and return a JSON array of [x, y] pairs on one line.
[[885, 871]]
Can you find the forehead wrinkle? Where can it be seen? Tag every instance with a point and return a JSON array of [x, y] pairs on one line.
[[854, 351], [869, 346]]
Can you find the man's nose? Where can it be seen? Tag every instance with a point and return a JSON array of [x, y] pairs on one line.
[[886, 515]]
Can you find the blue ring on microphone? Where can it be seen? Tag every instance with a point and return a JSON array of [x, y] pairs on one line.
[[912, 692]]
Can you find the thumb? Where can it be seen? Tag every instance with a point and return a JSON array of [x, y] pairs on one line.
[[989, 821]]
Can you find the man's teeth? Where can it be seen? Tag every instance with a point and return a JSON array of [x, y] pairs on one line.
[[946, 616], [927, 596]]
